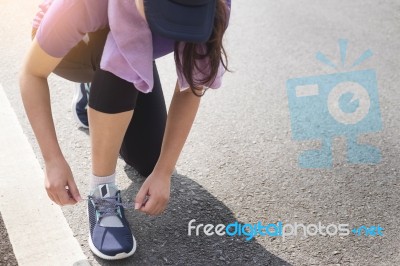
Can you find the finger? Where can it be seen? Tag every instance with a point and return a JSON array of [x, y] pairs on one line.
[[160, 210], [53, 195], [146, 199], [70, 196], [64, 197], [150, 207], [140, 199], [162, 205], [50, 196], [73, 189], [57, 199]]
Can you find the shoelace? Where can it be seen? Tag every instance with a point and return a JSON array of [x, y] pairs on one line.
[[109, 206]]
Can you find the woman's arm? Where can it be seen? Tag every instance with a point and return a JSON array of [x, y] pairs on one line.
[[36, 99], [181, 114]]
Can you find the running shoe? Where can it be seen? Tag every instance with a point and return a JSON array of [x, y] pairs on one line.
[[110, 236], [80, 103]]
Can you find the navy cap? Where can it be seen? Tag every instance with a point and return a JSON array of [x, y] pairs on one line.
[[181, 20]]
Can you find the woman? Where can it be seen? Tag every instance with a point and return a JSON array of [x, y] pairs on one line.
[[113, 45]]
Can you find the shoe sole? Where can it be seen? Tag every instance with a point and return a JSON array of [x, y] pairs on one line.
[[77, 97], [118, 256]]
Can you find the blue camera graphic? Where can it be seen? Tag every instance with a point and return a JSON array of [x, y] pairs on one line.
[[340, 104]]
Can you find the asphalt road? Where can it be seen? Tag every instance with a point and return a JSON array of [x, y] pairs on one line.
[[7, 255], [240, 162]]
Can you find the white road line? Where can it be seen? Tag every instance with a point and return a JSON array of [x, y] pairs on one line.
[[38, 231]]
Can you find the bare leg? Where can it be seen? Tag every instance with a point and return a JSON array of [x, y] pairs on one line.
[[106, 134]]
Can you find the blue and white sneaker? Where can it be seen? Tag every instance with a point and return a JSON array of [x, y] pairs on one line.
[[110, 236], [80, 103]]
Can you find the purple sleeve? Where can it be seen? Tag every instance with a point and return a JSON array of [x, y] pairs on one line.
[[43, 7], [67, 21]]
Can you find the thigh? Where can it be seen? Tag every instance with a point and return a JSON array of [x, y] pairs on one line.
[[142, 142], [80, 63]]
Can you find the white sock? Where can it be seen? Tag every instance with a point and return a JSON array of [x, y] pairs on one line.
[[96, 181]]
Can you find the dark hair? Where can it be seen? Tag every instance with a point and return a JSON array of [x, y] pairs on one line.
[[214, 52]]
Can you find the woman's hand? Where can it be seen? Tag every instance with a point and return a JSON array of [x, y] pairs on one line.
[[60, 184], [153, 196]]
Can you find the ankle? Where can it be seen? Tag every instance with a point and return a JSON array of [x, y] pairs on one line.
[[95, 181]]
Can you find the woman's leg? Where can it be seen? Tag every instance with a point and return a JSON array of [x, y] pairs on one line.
[[111, 105], [106, 132], [142, 142]]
